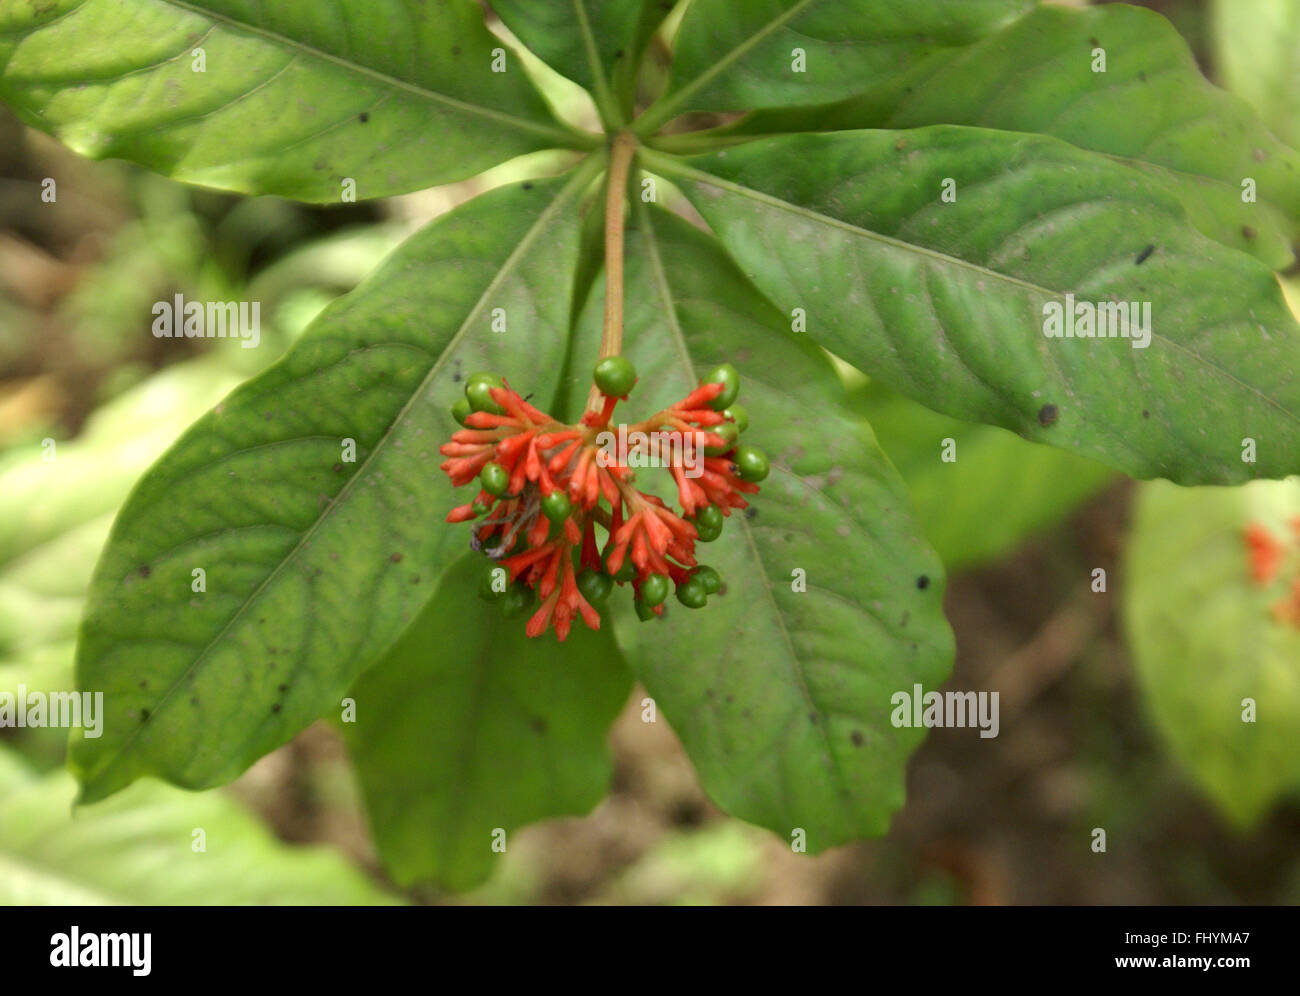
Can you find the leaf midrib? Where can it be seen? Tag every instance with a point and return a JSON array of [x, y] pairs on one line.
[[652, 119], [679, 339], [580, 177], [557, 134], [671, 165]]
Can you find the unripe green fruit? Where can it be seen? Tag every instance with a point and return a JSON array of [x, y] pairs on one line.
[[478, 390], [730, 379], [644, 612], [495, 479], [486, 591], [478, 508], [595, 586], [729, 432], [751, 463], [692, 594], [626, 570], [461, 410], [614, 375], [556, 506], [654, 589], [709, 517], [740, 415], [708, 577]]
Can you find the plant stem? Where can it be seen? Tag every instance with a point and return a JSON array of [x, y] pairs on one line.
[[611, 338]]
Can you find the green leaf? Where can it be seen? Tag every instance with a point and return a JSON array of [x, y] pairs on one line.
[[1257, 54], [314, 563], [781, 697], [946, 302], [293, 99], [738, 55], [1205, 637], [139, 849], [962, 505], [467, 726], [1151, 108], [596, 43]]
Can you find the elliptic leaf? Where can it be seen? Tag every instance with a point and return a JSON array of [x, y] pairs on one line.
[[732, 55], [1115, 79], [1217, 647], [950, 299], [780, 687], [312, 501], [468, 726], [294, 99]]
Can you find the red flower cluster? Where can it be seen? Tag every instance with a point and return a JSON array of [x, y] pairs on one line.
[[546, 486]]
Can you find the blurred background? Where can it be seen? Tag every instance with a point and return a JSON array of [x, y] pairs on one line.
[[1090, 734]]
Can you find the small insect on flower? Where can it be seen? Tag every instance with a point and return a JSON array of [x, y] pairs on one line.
[[546, 488]]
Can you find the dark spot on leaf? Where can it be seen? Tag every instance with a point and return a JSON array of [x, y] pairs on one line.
[[284, 688], [145, 571], [528, 186], [396, 558], [455, 50], [338, 467], [1142, 77], [708, 693], [900, 145], [1248, 232], [812, 717], [856, 737], [415, 580], [751, 512], [1047, 415], [923, 582], [456, 377], [618, 54], [276, 707], [194, 700], [364, 116], [538, 724], [906, 616], [144, 715], [144, 684], [1145, 413], [1144, 255], [1093, 42], [730, 699]]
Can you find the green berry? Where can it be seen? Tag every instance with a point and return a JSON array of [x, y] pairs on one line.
[[495, 479], [594, 585], [708, 577], [730, 379], [692, 593], [461, 410], [478, 508], [751, 463], [517, 600], [614, 375], [478, 390], [740, 415], [556, 506], [493, 583], [654, 589], [626, 570], [709, 518], [729, 432], [644, 612]]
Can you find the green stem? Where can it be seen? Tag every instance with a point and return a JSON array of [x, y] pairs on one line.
[[611, 338]]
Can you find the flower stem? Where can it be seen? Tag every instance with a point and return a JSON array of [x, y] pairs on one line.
[[611, 339]]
